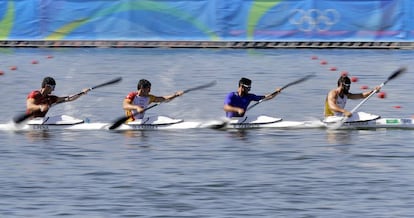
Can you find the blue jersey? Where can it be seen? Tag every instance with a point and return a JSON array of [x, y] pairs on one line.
[[233, 99]]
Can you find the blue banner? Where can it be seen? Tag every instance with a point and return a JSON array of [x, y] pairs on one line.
[[207, 20]]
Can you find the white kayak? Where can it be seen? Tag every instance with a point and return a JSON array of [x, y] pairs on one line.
[[44, 123], [71, 123], [158, 122], [362, 120], [262, 121]]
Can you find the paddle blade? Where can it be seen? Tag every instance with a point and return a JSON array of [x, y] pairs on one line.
[[119, 122], [116, 80], [216, 124], [122, 120], [22, 117], [335, 122], [396, 74], [303, 79], [212, 83]]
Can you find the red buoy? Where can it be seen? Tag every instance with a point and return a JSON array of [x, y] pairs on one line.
[[354, 79], [381, 95]]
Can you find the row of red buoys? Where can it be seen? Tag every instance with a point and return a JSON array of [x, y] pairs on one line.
[[13, 68]]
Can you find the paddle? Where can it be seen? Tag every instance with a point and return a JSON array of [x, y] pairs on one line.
[[284, 87], [22, 117], [394, 75], [123, 119]]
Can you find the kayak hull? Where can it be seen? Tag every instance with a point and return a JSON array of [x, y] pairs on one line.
[[362, 120], [387, 123], [70, 123], [254, 122], [165, 123]]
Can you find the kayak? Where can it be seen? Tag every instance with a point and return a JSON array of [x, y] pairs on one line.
[[359, 120], [263, 121], [158, 122], [381, 123], [71, 123], [363, 120], [45, 123]]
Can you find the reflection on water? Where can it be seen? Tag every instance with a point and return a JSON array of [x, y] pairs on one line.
[[36, 136], [134, 134], [238, 134], [339, 136]]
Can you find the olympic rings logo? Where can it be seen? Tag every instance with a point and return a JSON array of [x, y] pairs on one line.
[[314, 19]]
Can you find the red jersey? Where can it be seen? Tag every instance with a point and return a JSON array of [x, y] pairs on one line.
[[40, 99]]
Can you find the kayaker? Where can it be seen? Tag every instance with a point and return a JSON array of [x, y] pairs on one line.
[[38, 102], [140, 99], [336, 99], [236, 103]]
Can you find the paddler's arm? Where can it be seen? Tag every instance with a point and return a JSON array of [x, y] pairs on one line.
[[126, 105], [72, 97], [272, 95], [31, 106], [168, 97], [229, 108], [364, 94]]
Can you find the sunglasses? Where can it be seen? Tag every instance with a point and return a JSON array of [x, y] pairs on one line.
[[246, 87], [51, 86], [346, 85]]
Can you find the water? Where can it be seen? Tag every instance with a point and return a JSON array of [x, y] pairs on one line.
[[203, 172]]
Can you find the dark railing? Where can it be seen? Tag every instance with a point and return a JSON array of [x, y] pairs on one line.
[[207, 44]]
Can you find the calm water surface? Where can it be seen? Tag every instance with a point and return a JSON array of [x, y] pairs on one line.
[[202, 172]]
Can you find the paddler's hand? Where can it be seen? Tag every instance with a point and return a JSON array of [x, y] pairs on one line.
[[240, 111], [272, 95], [139, 109], [347, 113], [85, 91], [76, 96], [176, 94], [43, 107], [179, 93], [277, 91]]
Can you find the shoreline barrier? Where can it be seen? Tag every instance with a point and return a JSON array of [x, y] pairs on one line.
[[205, 44]]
